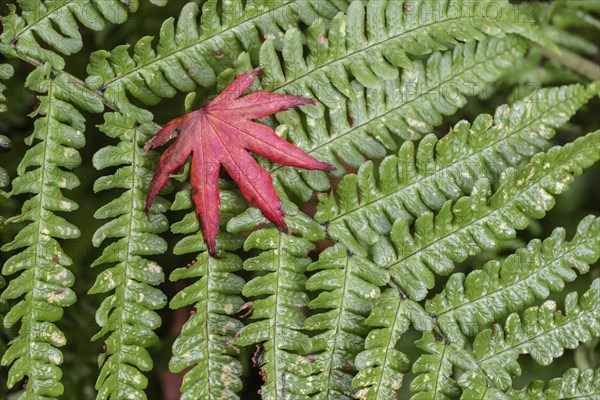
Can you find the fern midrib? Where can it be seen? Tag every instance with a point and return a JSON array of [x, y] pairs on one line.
[[520, 281], [42, 18], [206, 327], [546, 332], [197, 43], [505, 204], [130, 231], [341, 309], [31, 321], [381, 43], [395, 109], [390, 344], [275, 326], [479, 153], [438, 372]]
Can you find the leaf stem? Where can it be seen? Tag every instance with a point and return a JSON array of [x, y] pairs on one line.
[[573, 61]]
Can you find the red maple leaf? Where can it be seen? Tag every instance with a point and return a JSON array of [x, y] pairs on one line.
[[221, 133]]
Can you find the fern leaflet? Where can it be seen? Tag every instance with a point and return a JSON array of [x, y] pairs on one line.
[[468, 303], [187, 56], [434, 368], [381, 366], [542, 332], [416, 181], [126, 318], [6, 72], [55, 22], [205, 344], [475, 223], [574, 384], [349, 284], [484, 296], [44, 282], [281, 292], [367, 127]]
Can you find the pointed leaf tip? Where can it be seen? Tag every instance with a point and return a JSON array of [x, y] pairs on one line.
[[220, 134]]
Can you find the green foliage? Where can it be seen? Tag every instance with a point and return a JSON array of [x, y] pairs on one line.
[[423, 179], [6, 71], [347, 285], [381, 365], [186, 56], [127, 317], [488, 294], [406, 107], [55, 22], [476, 223], [206, 343], [282, 345], [467, 304], [573, 384], [412, 241], [44, 281], [542, 332]]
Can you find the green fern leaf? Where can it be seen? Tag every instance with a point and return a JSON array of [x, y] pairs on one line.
[[416, 181], [468, 303], [126, 318], [6, 72], [542, 332], [574, 384], [183, 52], [381, 366], [187, 56], [281, 291], [44, 282], [348, 286], [434, 368], [364, 128], [4, 177], [476, 223], [206, 342], [55, 22]]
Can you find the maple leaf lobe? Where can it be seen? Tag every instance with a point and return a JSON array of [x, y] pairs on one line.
[[220, 134]]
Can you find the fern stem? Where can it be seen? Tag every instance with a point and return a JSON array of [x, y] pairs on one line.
[[573, 61]]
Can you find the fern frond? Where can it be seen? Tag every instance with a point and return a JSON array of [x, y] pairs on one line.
[[381, 366], [4, 177], [423, 179], [206, 342], [574, 384], [127, 317], [186, 56], [476, 223], [468, 303], [6, 72], [348, 286], [55, 22], [43, 285], [281, 298], [434, 368], [542, 332], [365, 128]]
